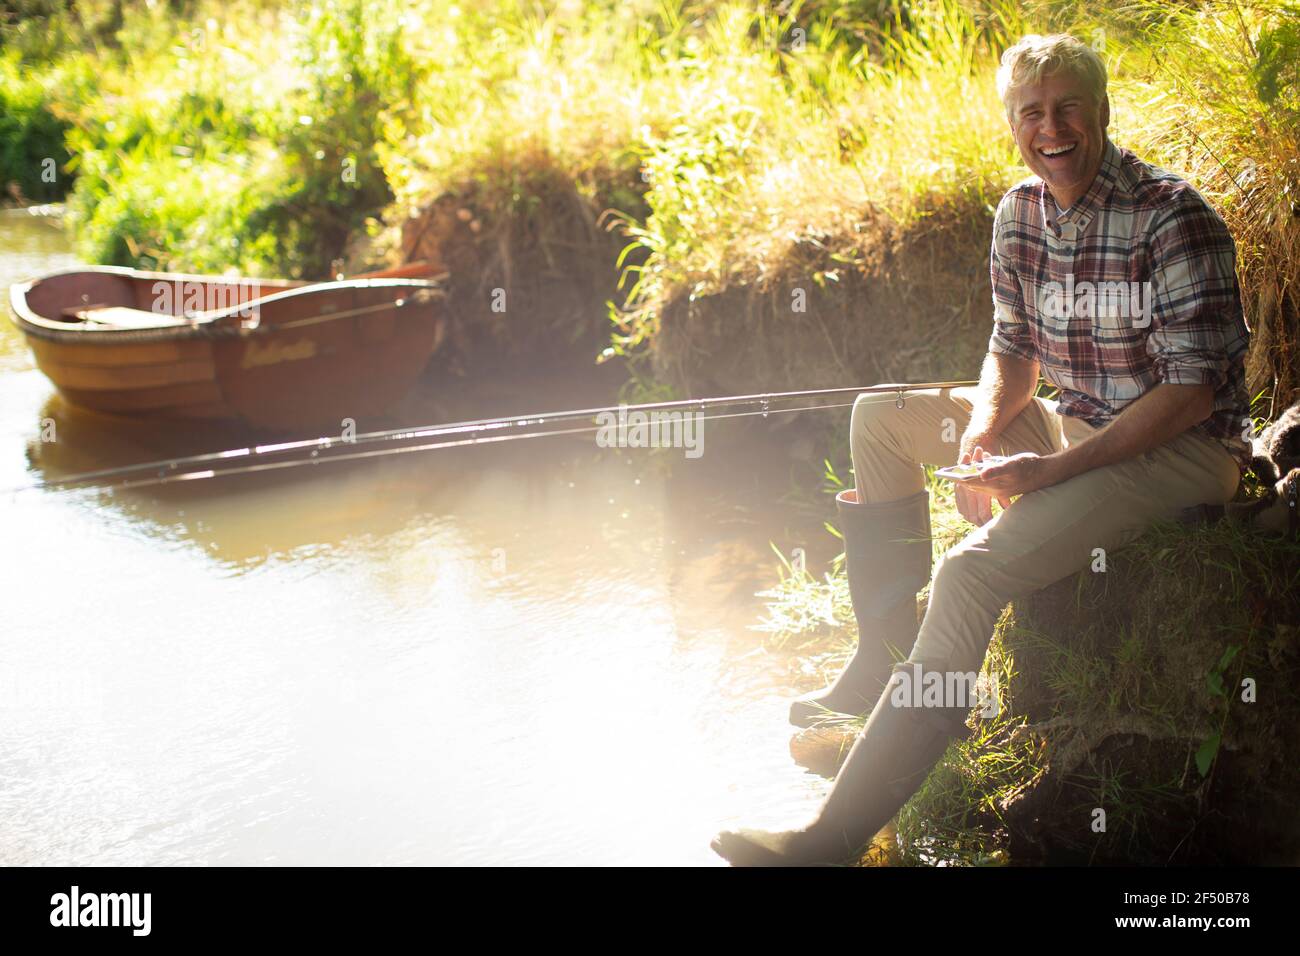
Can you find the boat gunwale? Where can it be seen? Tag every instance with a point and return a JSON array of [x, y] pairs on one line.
[[203, 328]]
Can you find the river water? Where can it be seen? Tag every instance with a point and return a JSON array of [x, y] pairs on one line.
[[537, 652]]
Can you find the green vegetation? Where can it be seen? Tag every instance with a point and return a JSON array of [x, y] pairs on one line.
[[32, 151], [742, 147], [245, 142]]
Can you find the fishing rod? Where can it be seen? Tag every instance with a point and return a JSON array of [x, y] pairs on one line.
[[326, 448]]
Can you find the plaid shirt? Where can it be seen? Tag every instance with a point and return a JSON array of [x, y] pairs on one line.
[[1135, 284]]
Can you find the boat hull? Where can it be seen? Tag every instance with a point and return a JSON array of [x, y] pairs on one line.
[[277, 356]]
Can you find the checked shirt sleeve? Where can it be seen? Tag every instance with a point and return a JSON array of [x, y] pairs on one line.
[[1010, 318], [1196, 306]]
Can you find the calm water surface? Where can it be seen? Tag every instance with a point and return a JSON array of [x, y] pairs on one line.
[[527, 653]]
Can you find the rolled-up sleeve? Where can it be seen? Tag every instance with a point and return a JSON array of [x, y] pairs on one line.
[[1195, 303], [1010, 319]]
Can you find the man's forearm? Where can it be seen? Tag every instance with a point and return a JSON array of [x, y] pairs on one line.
[[1164, 412], [1007, 385]]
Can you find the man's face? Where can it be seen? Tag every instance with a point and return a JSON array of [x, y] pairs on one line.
[[1061, 133]]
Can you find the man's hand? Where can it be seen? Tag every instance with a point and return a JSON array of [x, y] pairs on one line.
[[1007, 386], [975, 506], [1018, 475]]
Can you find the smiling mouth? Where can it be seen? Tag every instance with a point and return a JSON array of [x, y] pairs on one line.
[[1052, 152]]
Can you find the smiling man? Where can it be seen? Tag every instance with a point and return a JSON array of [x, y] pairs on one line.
[[1117, 281]]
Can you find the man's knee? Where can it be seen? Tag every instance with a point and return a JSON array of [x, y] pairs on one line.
[[874, 415], [869, 411], [964, 568]]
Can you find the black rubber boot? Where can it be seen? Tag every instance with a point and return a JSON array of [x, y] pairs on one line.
[[888, 763], [887, 556]]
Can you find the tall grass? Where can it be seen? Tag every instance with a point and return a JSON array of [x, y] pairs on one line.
[[738, 143], [909, 123], [1213, 91], [791, 132]]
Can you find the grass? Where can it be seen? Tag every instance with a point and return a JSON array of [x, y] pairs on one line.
[[230, 145], [735, 145], [774, 147]]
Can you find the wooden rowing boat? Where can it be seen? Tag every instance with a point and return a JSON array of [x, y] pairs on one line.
[[275, 354]]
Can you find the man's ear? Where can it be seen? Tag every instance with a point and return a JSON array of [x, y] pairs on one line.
[[1105, 111]]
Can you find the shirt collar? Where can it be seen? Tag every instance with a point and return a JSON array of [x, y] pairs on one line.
[[1086, 206]]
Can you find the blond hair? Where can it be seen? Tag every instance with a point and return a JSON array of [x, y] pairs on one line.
[[1036, 56]]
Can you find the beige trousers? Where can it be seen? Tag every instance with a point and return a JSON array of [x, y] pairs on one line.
[[1044, 535]]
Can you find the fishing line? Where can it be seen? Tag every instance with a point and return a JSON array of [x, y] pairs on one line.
[[279, 455]]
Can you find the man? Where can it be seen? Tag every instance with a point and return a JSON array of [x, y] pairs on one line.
[[1117, 280]]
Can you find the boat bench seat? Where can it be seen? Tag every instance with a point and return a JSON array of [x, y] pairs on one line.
[[122, 317]]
